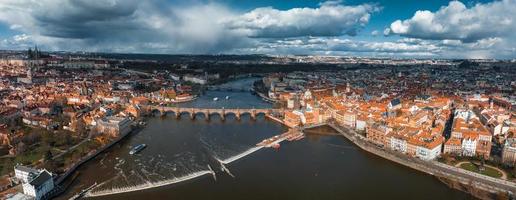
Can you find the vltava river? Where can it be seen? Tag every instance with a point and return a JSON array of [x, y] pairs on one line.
[[321, 166]]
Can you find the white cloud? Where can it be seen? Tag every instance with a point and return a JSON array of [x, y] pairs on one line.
[[19, 41], [330, 19], [405, 47], [457, 22]]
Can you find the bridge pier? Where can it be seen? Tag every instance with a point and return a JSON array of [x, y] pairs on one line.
[[178, 113], [238, 115], [223, 115], [253, 114], [207, 115], [192, 114]]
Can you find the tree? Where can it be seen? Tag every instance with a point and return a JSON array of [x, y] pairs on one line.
[[21, 148], [48, 155]]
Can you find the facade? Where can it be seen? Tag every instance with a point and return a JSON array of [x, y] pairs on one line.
[[292, 119], [360, 124], [114, 126], [469, 147], [398, 144], [453, 146], [350, 119], [195, 79], [377, 134], [430, 149], [509, 152]]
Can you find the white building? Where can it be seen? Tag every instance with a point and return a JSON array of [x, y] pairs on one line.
[[35, 183], [195, 79], [361, 124], [175, 77], [428, 154], [398, 144]]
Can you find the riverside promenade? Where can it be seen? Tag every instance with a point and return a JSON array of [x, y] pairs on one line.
[[434, 168]]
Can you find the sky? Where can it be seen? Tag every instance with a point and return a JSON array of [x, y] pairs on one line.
[[365, 28]]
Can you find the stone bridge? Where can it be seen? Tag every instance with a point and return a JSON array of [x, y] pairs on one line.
[[207, 112]]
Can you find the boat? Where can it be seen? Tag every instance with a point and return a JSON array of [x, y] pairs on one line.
[[215, 99], [276, 146], [227, 97], [137, 149]]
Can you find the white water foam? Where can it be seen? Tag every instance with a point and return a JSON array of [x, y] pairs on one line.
[[147, 185], [241, 155]]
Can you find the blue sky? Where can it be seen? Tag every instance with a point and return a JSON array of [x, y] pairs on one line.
[[381, 28]]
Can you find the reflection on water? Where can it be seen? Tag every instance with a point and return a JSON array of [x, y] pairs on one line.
[[236, 99]]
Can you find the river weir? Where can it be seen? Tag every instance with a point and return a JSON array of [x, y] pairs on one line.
[[147, 185]]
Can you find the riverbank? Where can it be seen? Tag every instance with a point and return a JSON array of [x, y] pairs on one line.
[[491, 188], [64, 177]]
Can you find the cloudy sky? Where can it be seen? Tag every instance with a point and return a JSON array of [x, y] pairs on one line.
[[376, 28]]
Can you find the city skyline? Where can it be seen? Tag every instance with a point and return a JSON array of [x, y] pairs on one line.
[[436, 29]]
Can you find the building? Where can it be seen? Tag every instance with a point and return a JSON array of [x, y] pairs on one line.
[[469, 146], [292, 119], [429, 147], [377, 133], [398, 143], [195, 79], [453, 146], [350, 119], [509, 152], [35, 183], [361, 123], [475, 138], [394, 104], [114, 126]]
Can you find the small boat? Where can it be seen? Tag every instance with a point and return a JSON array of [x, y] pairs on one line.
[[276, 146], [137, 149], [215, 99], [227, 97]]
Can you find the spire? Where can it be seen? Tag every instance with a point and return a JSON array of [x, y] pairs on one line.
[[29, 53]]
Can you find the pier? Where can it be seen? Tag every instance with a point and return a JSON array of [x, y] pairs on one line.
[[291, 134]]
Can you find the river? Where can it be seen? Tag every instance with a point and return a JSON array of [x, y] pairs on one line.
[[321, 166]]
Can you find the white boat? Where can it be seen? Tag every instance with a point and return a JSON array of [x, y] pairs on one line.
[[137, 149], [227, 97], [215, 99]]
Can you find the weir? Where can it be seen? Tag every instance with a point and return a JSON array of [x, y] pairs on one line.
[[243, 154], [224, 168], [147, 185]]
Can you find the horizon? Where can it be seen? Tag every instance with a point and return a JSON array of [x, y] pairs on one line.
[[480, 29], [264, 55]]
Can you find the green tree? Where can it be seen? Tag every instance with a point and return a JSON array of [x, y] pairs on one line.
[[48, 155]]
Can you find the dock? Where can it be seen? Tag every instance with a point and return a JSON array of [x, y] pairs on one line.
[[291, 135]]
